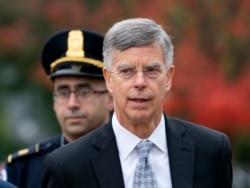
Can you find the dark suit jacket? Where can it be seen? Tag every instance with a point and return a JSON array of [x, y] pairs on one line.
[[199, 158]]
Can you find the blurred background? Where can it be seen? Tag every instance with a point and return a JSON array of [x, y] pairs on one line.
[[212, 79]]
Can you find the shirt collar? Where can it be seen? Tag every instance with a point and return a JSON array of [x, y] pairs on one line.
[[127, 141]]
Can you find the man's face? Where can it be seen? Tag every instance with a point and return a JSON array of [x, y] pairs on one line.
[[138, 95], [78, 111]]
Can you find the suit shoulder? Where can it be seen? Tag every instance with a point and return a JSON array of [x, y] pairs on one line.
[[197, 130], [38, 148], [204, 137]]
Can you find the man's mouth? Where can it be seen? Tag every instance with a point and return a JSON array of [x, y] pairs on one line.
[[139, 100], [73, 117]]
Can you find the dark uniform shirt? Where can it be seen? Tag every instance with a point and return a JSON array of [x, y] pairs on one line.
[[25, 168]]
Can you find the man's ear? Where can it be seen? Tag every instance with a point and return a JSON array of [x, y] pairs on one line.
[[110, 105], [169, 77], [107, 77]]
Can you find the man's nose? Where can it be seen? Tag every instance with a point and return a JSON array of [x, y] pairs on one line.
[[140, 79], [73, 100]]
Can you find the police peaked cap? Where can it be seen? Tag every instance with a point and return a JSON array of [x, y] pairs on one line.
[[76, 52]]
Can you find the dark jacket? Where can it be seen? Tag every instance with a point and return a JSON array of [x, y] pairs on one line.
[[4, 184], [25, 168], [199, 158]]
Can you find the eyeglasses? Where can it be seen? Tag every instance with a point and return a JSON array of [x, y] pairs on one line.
[[82, 94], [150, 72]]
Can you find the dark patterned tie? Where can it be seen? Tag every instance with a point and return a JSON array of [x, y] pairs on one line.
[[144, 175]]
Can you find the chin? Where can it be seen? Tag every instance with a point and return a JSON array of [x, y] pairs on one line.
[[139, 117]]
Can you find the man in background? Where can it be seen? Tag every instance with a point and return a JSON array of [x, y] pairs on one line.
[[73, 61]]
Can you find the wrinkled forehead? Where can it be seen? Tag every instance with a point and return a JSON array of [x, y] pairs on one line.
[[139, 56]]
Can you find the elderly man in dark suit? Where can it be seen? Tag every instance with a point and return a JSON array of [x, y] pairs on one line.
[[141, 147]]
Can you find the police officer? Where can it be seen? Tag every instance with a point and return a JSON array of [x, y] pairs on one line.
[[72, 59]]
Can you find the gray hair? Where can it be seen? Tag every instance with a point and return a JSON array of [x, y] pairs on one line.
[[136, 32]]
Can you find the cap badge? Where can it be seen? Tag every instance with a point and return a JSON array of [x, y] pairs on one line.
[[75, 44]]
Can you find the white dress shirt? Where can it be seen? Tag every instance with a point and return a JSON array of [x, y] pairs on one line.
[[158, 156]]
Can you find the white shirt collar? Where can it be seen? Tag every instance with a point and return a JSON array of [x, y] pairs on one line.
[[127, 141]]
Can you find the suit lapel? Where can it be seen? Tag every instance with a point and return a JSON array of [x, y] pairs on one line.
[[106, 163], [181, 155]]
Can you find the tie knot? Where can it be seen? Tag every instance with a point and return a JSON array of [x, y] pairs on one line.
[[144, 148]]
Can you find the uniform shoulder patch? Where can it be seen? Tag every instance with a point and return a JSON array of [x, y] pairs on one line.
[[37, 148]]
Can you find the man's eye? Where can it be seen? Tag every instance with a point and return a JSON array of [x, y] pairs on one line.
[[63, 93], [126, 71], [84, 92], [152, 70]]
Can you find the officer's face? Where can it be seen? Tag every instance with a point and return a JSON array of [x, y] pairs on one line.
[[79, 106]]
